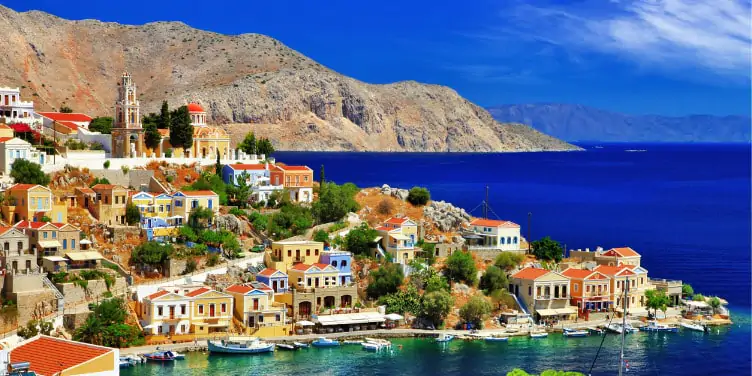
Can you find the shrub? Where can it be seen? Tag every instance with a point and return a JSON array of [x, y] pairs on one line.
[[493, 279], [169, 178], [125, 169], [238, 212], [418, 196], [385, 207], [437, 305], [190, 266], [475, 311], [547, 249], [507, 260], [460, 267], [358, 240], [321, 236], [385, 280], [26, 172], [698, 298], [212, 260], [106, 164]]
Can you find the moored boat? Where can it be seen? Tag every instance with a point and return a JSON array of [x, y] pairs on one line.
[[596, 331], [160, 356], [618, 328], [324, 342], [374, 344], [538, 334], [443, 337], [300, 345], [568, 332], [240, 345], [694, 326], [352, 342], [655, 326], [496, 339], [286, 347]]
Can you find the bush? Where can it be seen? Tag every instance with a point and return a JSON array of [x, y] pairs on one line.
[[212, 260], [385, 207], [418, 196], [190, 266], [358, 241], [106, 164], [437, 305], [547, 249], [102, 125], [385, 280], [698, 298], [402, 301], [460, 267], [152, 253], [687, 290], [493, 279], [132, 214], [475, 311], [335, 201], [238, 212], [507, 260], [125, 169], [321, 236], [26, 172]]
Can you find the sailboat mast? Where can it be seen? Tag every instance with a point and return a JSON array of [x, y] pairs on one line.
[[623, 324], [485, 207]]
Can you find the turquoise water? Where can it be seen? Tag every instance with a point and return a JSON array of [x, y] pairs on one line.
[[683, 353]]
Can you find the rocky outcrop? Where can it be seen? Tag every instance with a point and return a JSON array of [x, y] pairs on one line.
[[232, 223], [395, 192], [246, 82], [445, 216]]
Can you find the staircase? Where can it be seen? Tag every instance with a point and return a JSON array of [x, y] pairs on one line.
[[522, 306], [380, 251], [58, 294]]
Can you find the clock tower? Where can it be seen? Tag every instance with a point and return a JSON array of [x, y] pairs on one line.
[[127, 133]]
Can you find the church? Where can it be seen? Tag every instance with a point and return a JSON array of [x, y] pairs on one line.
[[128, 132]]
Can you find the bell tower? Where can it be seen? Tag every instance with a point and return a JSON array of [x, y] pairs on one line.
[[127, 133]]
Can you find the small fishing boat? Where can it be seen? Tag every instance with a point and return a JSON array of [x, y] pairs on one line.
[[125, 362], [538, 334], [240, 345], [160, 356], [596, 331], [694, 326], [496, 339], [178, 356], [617, 328], [352, 342], [654, 326], [300, 345], [286, 347], [443, 337], [373, 344], [568, 332], [324, 342]]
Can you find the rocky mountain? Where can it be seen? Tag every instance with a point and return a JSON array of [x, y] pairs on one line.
[[245, 82], [582, 123]]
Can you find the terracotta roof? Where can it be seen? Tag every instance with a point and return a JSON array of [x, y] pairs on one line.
[[59, 116], [157, 294], [612, 270], [384, 228], [164, 132], [396, 221], [295, 168], [302, 267], [4, 229], [3, 126], [321, 266], [493, 223], [195, 107], [530, 273], [624, 252], [49, 356], [69, 124], [268, 272], [247, 166], [61, 225], [85, 190], [197, 292], [198, 193], [577, 273], [22, 187], [103, 186], [4, 139], [241, 289], [28, 224]]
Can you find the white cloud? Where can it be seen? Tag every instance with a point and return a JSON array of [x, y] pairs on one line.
[[711, 35]]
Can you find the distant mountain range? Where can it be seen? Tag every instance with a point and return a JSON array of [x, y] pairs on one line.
[[580, 123]]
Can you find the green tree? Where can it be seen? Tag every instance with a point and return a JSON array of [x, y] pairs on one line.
[[152, 137], [46, 219], [152, 253], [715, 303], [218, 166], [698, 298], [335, 201], [35, 327], [428, 279], [106, 326], [248, 145], [322, 177], [656, 300], [265, 147], [507, 260], [493, 279], [241, 192], [25, 172], [199, 218], [418, 196], [460, 267], [385, 280], [181, 130], [687, 290], [321, 236], [102, 125], [99, 181], [475, 311], [402, 301], [132, 214], [428, 250], [437, 305], [547, 249], [358, 241], [65, 109], [163, 121], [186, 233]]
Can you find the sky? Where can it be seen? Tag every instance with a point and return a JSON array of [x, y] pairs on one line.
[[666, 57]]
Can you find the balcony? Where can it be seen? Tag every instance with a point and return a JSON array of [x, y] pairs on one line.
[[550, 297]]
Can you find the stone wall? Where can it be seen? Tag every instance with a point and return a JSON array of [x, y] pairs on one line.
[[446, 249], [175, 267], [121, 233], [96, 288], [490, 255], [71, 321], [35, 304]]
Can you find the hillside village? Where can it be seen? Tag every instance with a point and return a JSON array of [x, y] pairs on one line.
[[160, 216]]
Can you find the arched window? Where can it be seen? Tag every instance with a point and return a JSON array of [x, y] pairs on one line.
[[509, 240], [343, 263], [502, 240], [515, 240], [334, 263]]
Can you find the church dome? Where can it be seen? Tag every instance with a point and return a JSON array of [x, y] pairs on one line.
[[195, 107]]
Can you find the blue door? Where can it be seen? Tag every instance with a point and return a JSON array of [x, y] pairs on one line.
[[65, 243], [210, 203]]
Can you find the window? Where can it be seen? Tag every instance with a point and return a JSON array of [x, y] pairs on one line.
[[194, 204], [44, 234], [343, 263], [334, 263], [65, 243], [502, 240], [20, 246], [587, 288], [530, 290], [73, 243], [182, 328], [289, 253], [223, 307], [316, 252], [307, 252], [515, 240], [54, 234], [178, 203], [159, 329], [277, 317], [261, 318], [200, 309], [575, 287], [159, 311]]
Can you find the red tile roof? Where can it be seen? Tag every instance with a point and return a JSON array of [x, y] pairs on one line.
[[268, 272], [577, 273], [4, 139], [197, 292], [321, 266], [384, 228], [530, 273], [3, 126], [302, 267], [241, 289], [4, 229], [59, 116], [493, 223], [68, 124], [22, 187], [27, 224], [103, 186], [198, 193], [248, 166], [195, 107], [49, 356], [613, 270], [295, 168], [624, 252], [157, 294]]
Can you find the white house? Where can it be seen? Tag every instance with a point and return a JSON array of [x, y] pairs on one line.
[[166, 312], [13, 109], [493, 234], [16, 148]]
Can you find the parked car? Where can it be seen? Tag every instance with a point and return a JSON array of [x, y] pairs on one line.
[[258, 248]]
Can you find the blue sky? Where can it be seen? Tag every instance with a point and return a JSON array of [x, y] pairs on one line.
[[670, 57]]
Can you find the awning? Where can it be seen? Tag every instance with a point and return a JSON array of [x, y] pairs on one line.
[[54, 258], [85, 241], [694, 304], [304, 323], [565, 311], [50, 244], [377, 239], [546, 312], [399, 237], [351, 318], [393, 317], [84, 256]]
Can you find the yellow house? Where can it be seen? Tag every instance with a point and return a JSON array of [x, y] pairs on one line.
[[304, 276], [256, 309], [166, 312], [285, 254], [638, 282], [211, 312], [183, 202], [57, 356], [30, 202], [153, 204], [398, 238], [109, 205]]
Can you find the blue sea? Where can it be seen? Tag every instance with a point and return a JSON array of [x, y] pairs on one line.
[[685, 208]]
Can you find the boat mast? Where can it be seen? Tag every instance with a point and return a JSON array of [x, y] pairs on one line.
[[485, 207], [623, 324]]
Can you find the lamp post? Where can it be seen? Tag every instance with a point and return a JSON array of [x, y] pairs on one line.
[[529, 220]]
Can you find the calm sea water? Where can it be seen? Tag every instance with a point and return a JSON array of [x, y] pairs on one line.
[[685, 208]]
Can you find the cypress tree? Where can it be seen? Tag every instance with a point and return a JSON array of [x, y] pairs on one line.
[[181, 130], [163, 121]]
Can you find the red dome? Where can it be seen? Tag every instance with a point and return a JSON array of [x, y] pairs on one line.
[[194, 107]]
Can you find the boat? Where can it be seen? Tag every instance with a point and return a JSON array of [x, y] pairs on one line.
[[300, 345], [618, 328], [694, 326], [373, 344], [655, 326], [496, 339], [352, 342], [178, 356], [125, 362], [286, 347], [160, 356], [324, 342], [538, 334], [568, 332], [240, 345], [596, 331], [443, 337]]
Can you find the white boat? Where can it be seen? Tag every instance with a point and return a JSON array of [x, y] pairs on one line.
[[325, 342], [352, 342], [575, 333], [300, 345], [496, 339], [240, 345], [655, 326], [373, 344], [286, 347], [694, 326], [443, 337], [617, 328], [538, 334]]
